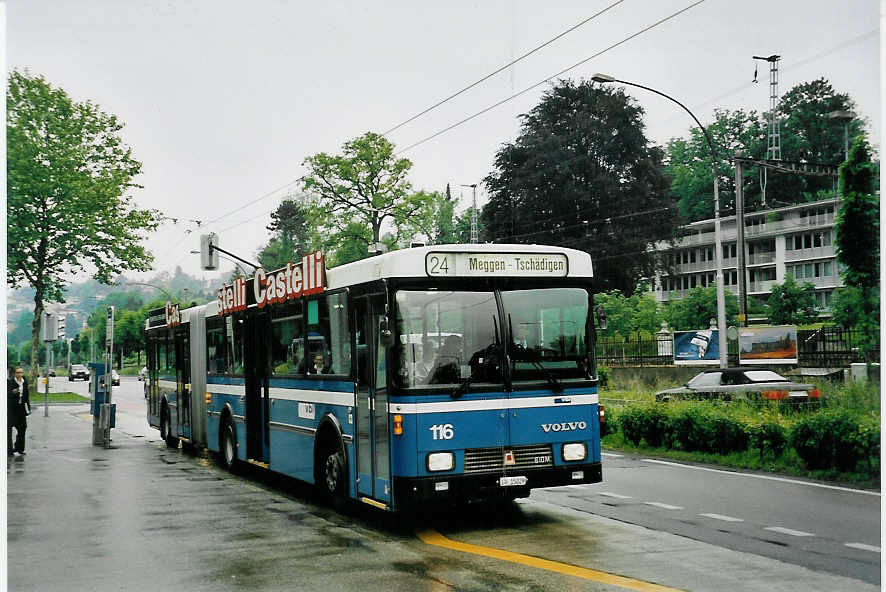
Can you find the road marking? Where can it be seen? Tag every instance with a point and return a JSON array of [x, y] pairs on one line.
[[610, 455], [436, 539], [863, 547], [665, 506], [796, 533], [615, 495], [767, 477], [722, 517]]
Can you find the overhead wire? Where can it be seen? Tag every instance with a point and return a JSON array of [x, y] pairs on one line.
[[506, 66], [537, 84]]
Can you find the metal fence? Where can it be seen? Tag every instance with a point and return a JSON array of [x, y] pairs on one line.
[[828, 347]]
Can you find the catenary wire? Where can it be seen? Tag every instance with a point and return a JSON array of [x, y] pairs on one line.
[[537, 84], [509, 64]]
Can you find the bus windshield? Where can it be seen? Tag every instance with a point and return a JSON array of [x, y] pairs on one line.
[[450, 338], [447, 337], [548, 329]]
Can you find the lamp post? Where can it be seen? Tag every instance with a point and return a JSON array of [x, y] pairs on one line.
[[474, 235], [845, 117], [721, 298]]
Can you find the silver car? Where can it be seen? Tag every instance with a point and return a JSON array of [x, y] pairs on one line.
[[741, 383]]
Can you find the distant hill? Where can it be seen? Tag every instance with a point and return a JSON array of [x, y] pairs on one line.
[[81, 299]]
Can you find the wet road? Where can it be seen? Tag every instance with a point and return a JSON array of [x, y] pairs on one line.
[[142, 516]]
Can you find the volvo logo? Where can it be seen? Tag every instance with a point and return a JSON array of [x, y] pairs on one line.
[[566, 426]]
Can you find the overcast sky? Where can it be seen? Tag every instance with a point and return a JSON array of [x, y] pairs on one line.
[[223, 101]]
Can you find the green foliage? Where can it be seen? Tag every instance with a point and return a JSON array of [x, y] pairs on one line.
[[639, 312], [857, 225], [792, 304], [831, 439], [603, 373], [690, 162], [705, 428], [698, 307], [582, 174], [768, 436], [647, 422], [360, 190], [291, 235], [68, 172]]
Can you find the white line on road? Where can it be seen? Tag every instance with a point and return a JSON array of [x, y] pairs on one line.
[[796, 533], [863, 547], [767, 477], [664, 506], [615, 495], [610, 455], [722, 517]]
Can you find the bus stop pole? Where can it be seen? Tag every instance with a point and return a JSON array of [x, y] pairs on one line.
[[46, 378]]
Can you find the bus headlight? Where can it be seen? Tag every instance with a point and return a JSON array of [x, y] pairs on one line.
[[441, 461], [575, 451]]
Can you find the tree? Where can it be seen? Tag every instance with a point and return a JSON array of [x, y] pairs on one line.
[[68, 174], [689, 163], [808, 135], [626, 315], [365, 186], [856, 238], [582, 174], [791, 303], [291, 235], [698, 307]]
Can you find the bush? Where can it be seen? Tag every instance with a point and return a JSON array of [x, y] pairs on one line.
[[602, 376], [831, 439], [643, 422], [768, 436], [704, 428]]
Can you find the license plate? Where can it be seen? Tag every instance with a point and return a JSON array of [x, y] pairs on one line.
[[511, 481]]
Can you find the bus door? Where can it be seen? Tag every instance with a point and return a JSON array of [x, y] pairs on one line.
[[373, 439], [256, 374], [183, 383]]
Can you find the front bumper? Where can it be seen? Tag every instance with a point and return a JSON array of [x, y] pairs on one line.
[[415, 491]]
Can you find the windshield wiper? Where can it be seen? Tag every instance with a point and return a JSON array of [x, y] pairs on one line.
[[462, 388], [535, 359]]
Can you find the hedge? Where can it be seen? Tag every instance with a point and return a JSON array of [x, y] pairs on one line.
[[826, 439]]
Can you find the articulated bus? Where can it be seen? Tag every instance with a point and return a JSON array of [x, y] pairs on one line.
[[443, 373]]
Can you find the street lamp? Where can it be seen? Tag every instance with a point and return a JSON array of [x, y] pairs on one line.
[[474, 235], [721, 298], [845, 117]]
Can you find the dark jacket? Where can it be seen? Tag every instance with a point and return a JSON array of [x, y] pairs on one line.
[[17, 410]]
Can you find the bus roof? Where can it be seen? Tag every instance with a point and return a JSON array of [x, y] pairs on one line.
[[465, 260]]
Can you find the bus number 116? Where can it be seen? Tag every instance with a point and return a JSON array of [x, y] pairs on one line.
[[442, 431]]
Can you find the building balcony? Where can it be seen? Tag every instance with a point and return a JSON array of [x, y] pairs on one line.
[[761, 287], [813, 253], [774, 227], [761, 258]]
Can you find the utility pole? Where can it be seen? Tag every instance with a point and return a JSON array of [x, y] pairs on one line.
[[474, 234]]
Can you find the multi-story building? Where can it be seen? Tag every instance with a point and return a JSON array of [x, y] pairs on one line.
[[796, 240]]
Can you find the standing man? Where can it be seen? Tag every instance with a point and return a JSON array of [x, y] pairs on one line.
[[18, 407]]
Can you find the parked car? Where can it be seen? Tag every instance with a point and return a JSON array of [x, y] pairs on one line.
[[143, 373], [78, 371], [51, 372], [741, 383], [115, 378]]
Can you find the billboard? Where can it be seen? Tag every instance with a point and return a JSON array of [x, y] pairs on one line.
[[767, 345], [697, 347]]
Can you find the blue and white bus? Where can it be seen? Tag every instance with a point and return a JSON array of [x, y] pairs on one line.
[[437, 373]]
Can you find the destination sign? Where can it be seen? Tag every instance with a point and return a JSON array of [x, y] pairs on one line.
[[496, 264]]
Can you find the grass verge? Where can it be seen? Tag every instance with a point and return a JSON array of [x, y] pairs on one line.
[[65, 397]]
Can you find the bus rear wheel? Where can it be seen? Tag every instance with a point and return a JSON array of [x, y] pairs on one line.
[[166, 430], [228, 446]]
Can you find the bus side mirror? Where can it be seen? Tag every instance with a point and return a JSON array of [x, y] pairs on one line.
[[385, 335], [601, 317]]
